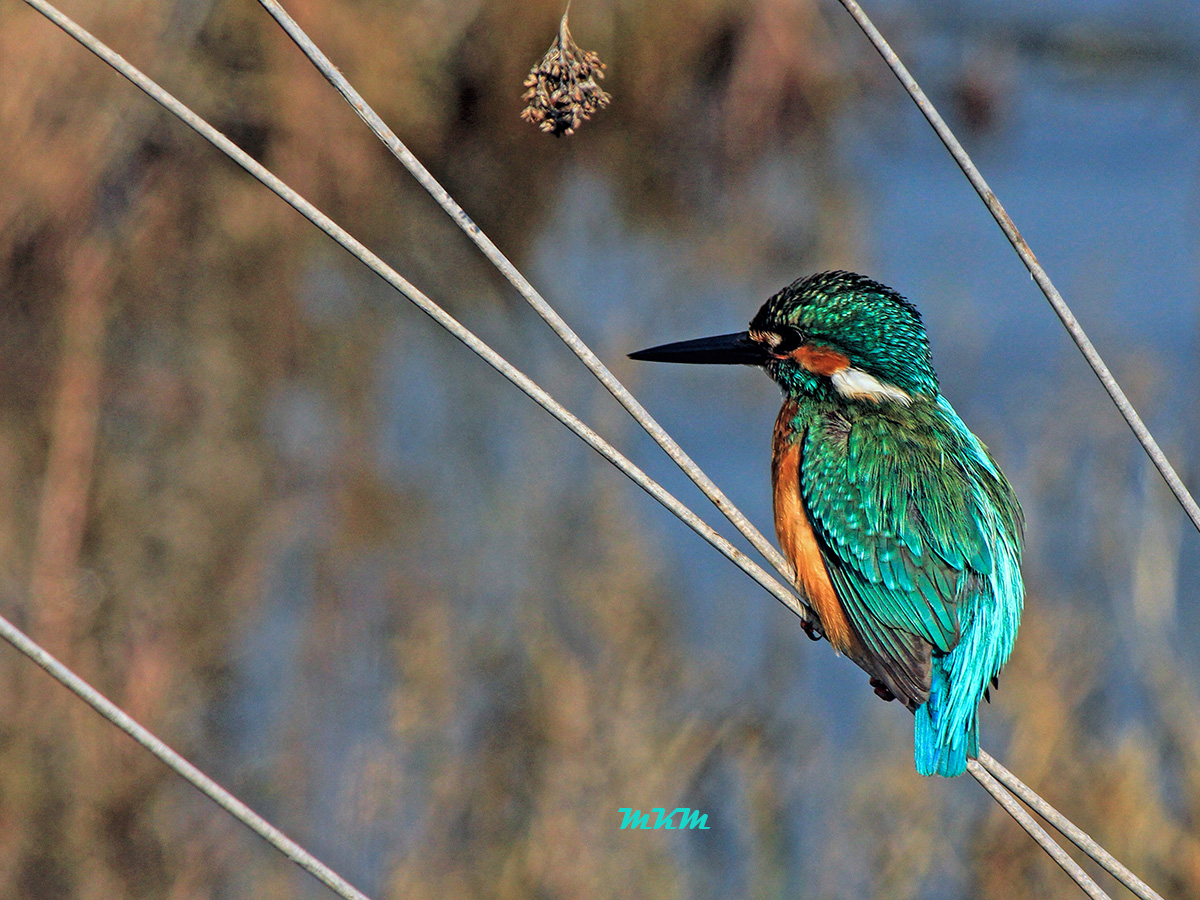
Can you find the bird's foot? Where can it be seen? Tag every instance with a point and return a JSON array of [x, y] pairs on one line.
[[810, 629], [882, 691]]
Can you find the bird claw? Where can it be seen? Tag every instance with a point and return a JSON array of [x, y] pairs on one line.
[[810, 629], [882, 691]]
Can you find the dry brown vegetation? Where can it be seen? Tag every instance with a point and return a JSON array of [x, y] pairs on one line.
[[193, 389]]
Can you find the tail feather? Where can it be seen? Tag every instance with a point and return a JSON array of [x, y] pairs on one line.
[[946, 731], [941, 745]]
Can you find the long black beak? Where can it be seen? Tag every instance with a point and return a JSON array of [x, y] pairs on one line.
[[723, 349]]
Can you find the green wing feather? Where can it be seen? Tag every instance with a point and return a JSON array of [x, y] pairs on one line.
[[896, 498]]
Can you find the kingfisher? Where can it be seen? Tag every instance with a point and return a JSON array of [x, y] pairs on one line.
[[904, 535]]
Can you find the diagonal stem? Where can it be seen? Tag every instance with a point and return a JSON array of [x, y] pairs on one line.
[[427, 306], [527, 290], [1036, 831], [201, 782], [1068, 829], [1061, 309]]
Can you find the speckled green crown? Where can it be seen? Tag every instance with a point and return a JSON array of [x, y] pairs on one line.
[[877, 329]]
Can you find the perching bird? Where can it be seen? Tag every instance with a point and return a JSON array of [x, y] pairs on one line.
[[905, 536]]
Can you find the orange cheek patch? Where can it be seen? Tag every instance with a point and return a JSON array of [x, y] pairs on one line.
[[820, 360]]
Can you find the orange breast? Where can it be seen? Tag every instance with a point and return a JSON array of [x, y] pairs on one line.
[[799, 543]]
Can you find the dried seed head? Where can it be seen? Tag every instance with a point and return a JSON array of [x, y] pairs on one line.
[[563, 92]]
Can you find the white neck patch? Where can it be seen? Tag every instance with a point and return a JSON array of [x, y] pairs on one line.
[[855, 384]]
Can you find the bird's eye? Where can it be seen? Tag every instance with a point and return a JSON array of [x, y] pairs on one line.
[[789, 340]]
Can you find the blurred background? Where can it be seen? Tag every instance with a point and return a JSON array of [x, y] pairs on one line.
[[303, 535]]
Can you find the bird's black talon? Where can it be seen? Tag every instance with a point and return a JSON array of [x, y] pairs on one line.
[[882, 691], [810, 629]]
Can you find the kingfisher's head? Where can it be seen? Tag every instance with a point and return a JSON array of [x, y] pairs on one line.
[[834, 335]]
